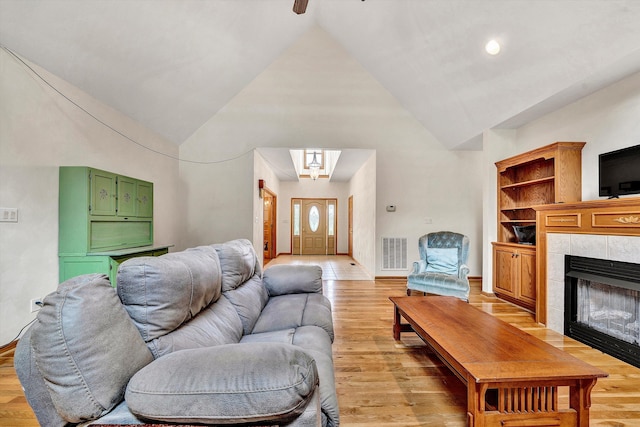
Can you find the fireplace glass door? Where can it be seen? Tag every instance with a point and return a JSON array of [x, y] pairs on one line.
[[602, 305], [609, 309]]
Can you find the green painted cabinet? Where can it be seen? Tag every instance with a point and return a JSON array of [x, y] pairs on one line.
[[104, 218]]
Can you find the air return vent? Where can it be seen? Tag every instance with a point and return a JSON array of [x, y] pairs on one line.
[[394, 253]]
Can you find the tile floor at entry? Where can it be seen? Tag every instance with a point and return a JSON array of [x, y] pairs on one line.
[[334, 267]]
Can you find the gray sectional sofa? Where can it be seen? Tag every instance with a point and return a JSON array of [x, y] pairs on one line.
[[198, 336]]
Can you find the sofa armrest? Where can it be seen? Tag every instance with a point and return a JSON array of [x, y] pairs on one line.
[[292, 279], [234, 383]]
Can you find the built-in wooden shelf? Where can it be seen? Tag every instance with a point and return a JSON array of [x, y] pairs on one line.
[[549, 174], [548, 179]]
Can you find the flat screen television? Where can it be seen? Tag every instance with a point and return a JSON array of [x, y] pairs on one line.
[[619, 172]]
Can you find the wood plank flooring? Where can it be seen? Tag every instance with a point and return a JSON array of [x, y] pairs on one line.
[[383, 382]]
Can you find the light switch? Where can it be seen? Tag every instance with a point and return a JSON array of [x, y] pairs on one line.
[[8, 214]]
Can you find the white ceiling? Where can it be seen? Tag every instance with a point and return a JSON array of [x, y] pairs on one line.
[[172, 64]]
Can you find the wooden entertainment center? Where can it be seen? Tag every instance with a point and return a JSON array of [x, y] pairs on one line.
[[543, 187], [547, 175]]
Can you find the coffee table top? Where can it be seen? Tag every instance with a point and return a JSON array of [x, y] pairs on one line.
[[488, 348]]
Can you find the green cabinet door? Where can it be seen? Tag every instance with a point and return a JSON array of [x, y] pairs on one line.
[[145, 199], [126, 196], [103, 193]]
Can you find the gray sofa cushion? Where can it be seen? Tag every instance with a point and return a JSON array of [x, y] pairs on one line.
[[86, 347], [217, 324], [292, 311], [33, 384], [236, 383], [238, 261], [314, 341], [249, 300], [306, 337], [293, 279], [162, 293]]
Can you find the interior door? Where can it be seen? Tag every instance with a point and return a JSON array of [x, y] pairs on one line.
[[314, 227], [269, 225]]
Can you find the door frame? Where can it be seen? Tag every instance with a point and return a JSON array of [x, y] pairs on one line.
[[350, 230]]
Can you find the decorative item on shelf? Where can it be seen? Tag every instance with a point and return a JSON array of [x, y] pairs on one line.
[[525, 234], [314, 168], [261, 188]]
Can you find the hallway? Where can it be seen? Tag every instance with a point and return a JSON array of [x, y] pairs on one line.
[[334, 267]]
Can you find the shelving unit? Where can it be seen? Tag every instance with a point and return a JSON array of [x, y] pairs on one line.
[[546, 175]]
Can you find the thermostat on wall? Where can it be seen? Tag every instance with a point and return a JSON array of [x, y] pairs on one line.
[[391, 208]]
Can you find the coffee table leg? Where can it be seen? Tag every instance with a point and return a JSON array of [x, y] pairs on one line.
[[474, 411], [396, 323], [580, 401]]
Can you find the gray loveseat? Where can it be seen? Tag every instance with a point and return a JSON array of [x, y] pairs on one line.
[[198, 336]]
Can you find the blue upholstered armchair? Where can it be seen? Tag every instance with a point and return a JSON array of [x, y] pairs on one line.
[[442, 268]]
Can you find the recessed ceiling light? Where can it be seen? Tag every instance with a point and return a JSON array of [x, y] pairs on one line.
[[492, 47]]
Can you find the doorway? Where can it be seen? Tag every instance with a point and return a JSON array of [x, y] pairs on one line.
[[313, 226], [269, 203], [350, 248]]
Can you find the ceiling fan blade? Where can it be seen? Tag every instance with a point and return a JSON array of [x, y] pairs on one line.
[[300, 6]]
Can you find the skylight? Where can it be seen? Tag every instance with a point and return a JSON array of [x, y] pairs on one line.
[[303, 161]]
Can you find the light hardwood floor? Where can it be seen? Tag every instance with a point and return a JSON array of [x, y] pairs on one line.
[[383, 382]]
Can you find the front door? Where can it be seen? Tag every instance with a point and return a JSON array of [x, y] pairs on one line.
[[314, 224], [314, 227]]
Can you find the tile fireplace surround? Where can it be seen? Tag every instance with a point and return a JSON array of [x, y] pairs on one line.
[[613, 248], [604, 229]]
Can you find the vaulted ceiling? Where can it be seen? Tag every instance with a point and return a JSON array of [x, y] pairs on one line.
[[172, 64]]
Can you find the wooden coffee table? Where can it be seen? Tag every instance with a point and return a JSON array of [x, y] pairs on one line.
[[512, 378]]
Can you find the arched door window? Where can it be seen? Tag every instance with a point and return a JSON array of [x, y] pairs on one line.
[[314, 218]]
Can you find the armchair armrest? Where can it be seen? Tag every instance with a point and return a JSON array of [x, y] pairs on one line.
[[463, 272], [419, 266], [239, 383], [292, 279]]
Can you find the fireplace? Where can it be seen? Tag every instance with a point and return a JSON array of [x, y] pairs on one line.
[[602, 305]]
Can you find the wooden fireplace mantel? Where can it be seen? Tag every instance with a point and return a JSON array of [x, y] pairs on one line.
[[613, 217]]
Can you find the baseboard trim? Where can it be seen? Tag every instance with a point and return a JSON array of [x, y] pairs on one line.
[[8, 348], [392, 278], [471, 278], [289, 253]]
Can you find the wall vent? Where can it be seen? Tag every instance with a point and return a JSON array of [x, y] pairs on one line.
[[394, 253]]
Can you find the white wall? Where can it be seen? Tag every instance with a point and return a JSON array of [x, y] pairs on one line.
[[363, 188], [606, 120], [497, 144], [40, 131], [263, 171], [433, 189], [316, 95]]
